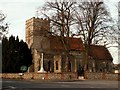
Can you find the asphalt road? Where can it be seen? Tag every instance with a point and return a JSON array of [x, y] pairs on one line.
[[8, 84]]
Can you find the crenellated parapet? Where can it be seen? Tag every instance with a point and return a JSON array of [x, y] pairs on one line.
[[38, 23]]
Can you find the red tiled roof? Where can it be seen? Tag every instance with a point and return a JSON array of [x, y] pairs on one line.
[[75, 43], [100, 52]]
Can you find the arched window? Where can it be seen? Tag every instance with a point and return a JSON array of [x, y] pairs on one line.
[[69, 66], [56, 65], [49, 65]]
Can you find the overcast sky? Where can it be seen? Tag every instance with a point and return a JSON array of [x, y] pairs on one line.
[[18, 11]]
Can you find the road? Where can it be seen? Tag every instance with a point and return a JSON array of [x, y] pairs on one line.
[[8, 84]]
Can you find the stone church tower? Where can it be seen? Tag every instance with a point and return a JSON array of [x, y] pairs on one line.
[[36, 37], [35, 28]]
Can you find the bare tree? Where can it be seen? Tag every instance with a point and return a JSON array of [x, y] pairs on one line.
[[91, 18], [94, 24], [3, 26], [61, 14]]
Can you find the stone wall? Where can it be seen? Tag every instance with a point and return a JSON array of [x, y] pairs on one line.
[[52, 76], [103, 76], [10, 75], [61, 76]]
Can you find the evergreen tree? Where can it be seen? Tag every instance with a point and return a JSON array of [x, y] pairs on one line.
[[15, 54], [5, 55]]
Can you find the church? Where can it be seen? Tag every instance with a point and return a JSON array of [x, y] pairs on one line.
[[50, 55], [48, 51]]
